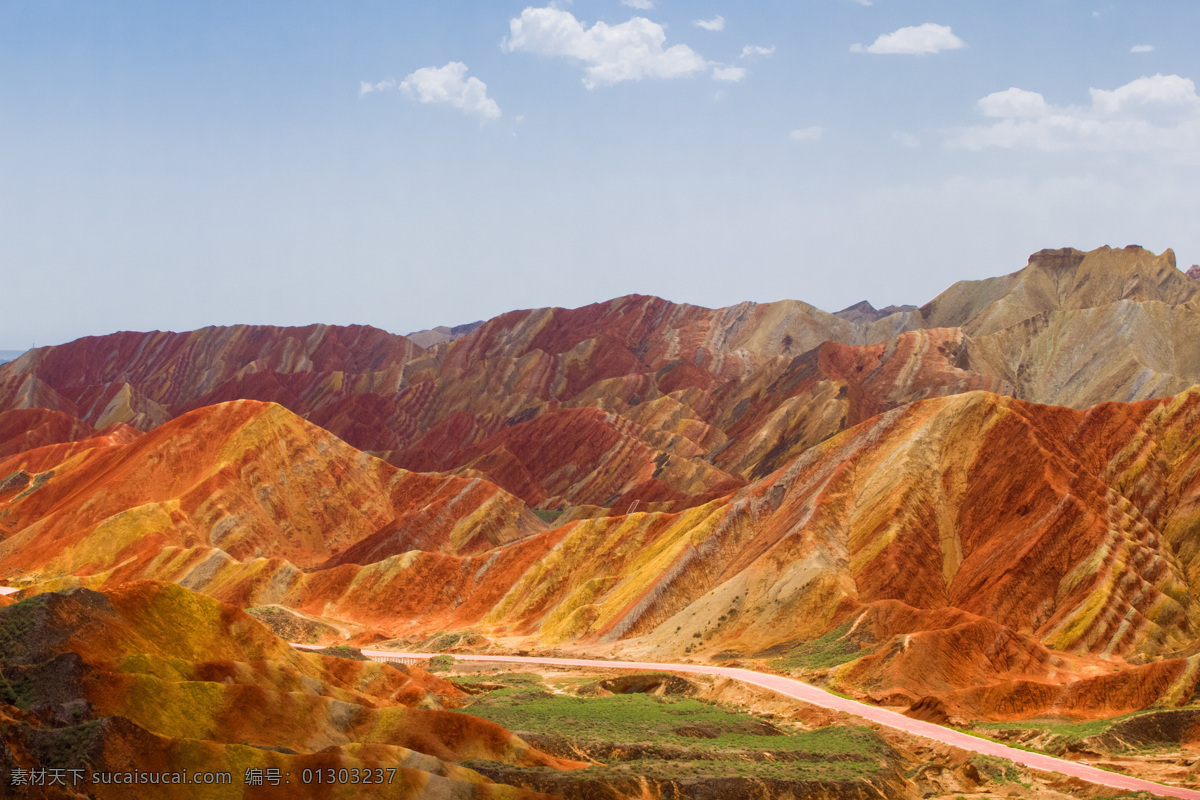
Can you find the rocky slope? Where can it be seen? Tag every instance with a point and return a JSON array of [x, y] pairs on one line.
[[870, 496], [1001, 557], [694, 401], [30, 428], [250, 478], [153, 678]]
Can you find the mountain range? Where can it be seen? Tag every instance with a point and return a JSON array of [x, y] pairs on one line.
[[990, 502]]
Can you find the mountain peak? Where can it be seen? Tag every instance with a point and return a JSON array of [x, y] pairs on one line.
[[441, 334], [1062, 258], [864, 313]]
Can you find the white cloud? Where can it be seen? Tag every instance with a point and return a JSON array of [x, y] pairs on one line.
[[862, 2], [1153, 114], [1012, 103], [717, 23], [924, 39], [806, 134], [642, 5], [613, 53], [730, 74], [1142, 48], [1168, 93], [906, 139], [754, 50], [365, 87], [449, 85]]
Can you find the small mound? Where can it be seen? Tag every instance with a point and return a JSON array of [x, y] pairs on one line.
[[745, 727], [929, 709], [698, 732], [651, 683], [1179, 728], [293, 627], [342, 651]]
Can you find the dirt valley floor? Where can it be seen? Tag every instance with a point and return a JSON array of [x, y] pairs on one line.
[[663, 735]]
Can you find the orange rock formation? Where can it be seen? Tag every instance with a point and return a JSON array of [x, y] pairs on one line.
[[741, 480], [151, 677]]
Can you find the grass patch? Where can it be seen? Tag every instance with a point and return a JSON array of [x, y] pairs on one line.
[[447, 642], [670, 738], [784, 771], [440, 663], [15, 480], [830, 650], [38, 482], [519, 687], [997, 770], [628, 773], [1071, 731], [649, 719], [66, 748], [344, 651], [16, 692], [17, 623], [512, 679]]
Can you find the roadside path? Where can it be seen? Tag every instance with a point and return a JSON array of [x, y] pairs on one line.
[[818, 697]]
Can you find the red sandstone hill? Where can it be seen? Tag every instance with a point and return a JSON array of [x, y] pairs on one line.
[[694, 401], [29, 428], [1007, 558], [247, 477], [151, 677], [739, 481]]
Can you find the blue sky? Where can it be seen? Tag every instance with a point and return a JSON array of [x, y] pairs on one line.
[[172, 166]]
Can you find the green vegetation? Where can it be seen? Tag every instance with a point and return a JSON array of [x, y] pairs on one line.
[[518, 687], [38, 482], [547, 515], [830, 650], [1069, 731], [997, 770], [441, 663], [69, 747], [344, 651], [509, 679], [17, 622], [14, 480], [14, 694], [673, 737], [692, 768], [441, 641]]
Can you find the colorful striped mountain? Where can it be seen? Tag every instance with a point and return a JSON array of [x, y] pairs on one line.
[[990, 502]]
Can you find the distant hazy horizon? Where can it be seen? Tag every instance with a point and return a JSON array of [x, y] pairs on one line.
[[10, 355]]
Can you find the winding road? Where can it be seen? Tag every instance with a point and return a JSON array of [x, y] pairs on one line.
[[790, 687], [818, 697]]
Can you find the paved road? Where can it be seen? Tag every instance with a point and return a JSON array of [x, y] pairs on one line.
[[818, 697]]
